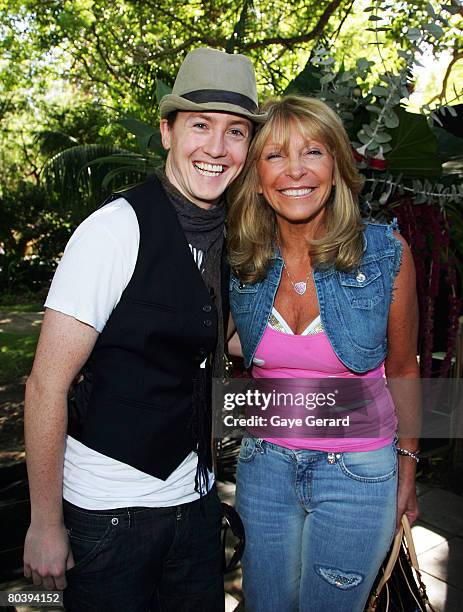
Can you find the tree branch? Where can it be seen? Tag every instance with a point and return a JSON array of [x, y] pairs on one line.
[[103, 56], [341, 23], [34, 168], [457, 55], [236, 37], [210, 42], [93, 78], [221, 43], [292, 40]]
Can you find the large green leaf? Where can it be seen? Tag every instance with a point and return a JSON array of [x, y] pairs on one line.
[[54, 141], [448, 145], [307, 81], [414, 148], [75, 178], [147, 136], [161, 90]]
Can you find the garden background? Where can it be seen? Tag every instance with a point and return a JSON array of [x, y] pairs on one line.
[[80, 83]]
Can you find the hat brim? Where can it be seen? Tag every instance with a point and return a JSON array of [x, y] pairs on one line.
[[172, 102]]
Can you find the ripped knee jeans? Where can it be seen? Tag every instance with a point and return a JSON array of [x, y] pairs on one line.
[[318, 525]]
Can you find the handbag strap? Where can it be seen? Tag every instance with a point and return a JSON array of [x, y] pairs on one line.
[[393, 555], [410, 544]]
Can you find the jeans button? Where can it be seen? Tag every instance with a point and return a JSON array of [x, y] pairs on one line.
[[114, 521]]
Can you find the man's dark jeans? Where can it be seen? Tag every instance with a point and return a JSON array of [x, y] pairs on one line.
[[146, 559]]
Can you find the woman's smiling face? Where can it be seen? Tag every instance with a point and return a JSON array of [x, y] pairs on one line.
[[296, 180]]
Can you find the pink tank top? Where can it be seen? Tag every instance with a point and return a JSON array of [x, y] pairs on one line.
[[286, 355]]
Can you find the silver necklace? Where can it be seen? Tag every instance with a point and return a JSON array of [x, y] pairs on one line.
[[301, 287]]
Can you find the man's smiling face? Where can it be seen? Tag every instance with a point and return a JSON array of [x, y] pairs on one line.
[[207, 152]]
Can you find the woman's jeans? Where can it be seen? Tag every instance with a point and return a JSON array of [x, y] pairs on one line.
[[318, 525]]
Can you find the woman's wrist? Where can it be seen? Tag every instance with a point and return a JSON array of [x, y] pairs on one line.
[[407, 469], [410, 454]]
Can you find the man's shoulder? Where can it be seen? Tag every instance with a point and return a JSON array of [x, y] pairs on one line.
[[116, 218]]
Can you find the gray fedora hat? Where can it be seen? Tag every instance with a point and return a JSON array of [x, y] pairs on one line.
[[211, 80]]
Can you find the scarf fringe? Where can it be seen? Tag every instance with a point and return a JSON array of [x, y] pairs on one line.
[[201, 430]]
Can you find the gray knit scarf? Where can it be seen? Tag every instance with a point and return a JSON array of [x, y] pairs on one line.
[[204, 230]]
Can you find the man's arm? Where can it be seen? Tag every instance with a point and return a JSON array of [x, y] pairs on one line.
[[63, 348], [402, 372]]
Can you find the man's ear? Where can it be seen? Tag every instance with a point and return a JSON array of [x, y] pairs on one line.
[[165, 133]]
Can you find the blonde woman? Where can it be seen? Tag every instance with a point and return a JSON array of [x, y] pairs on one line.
[[311, 296]]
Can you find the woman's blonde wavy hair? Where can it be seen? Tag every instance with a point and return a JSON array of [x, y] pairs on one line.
[[252, 227]]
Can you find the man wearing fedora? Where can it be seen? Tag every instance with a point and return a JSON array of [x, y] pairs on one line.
[[124, 512]]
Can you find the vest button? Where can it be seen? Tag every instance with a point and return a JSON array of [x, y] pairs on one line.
[[207, 308], [207, 322]]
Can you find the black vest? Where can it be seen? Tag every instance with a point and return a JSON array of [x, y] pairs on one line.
[[138, 382]]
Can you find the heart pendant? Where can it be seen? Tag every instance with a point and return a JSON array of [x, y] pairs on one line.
[[300, 287]]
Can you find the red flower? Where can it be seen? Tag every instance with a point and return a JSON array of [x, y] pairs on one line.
[[377, 163]]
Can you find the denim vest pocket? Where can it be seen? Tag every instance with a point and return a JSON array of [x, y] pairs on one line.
[[363, 287], [242, 296]]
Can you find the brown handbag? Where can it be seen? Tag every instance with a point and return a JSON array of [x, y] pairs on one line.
[[399, 586]]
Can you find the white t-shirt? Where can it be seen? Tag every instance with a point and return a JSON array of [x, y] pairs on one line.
[[96, 267]]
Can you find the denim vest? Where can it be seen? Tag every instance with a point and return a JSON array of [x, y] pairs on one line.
[[354, 305]]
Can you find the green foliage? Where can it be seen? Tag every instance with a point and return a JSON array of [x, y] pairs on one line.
[[414, 148], [383, 133], [449, 146], [13, 308], [148, 137], [32, 236], [80, 123], [74, 179], [80, 84], [121, 49], [16, 355]]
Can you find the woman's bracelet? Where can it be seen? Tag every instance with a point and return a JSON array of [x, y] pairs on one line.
[[406, 453]]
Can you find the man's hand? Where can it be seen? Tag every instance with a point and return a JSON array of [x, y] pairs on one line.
[[47, 555]]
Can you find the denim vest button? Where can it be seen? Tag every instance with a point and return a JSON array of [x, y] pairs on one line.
[[207, 322], [207, 308], [360, 277]]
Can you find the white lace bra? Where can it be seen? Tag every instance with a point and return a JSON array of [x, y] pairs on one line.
[[277, 323]]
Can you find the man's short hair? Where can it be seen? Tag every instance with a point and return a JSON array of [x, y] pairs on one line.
[[171, 117]]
